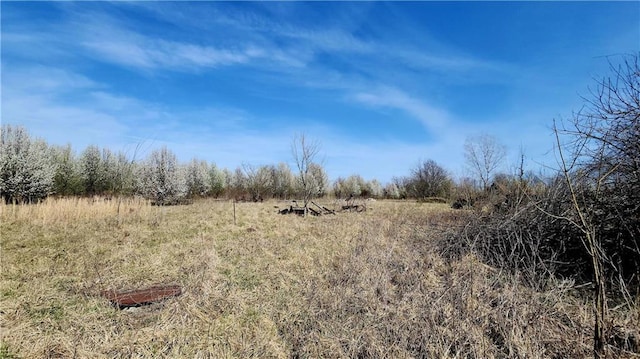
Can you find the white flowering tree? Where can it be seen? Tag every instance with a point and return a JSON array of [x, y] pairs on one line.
[[228, 182], [318, 180], [92, 171], [198, 178], [217, 180], [161, 179], [67, 179], [26, 168], [111, 171], [375, 188], [353, 186], [237, 184], [283, 181], [123, 174], [338, 187], [391, 190]]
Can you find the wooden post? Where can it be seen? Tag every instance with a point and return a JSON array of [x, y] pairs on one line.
[[234, 212]]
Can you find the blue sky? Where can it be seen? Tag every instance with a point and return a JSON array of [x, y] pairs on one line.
[[381, 85]]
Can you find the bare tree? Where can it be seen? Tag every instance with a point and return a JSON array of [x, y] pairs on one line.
[[583, 220], [600, 162], [304, 153], [429, 179], [259, 181], [484, 155]]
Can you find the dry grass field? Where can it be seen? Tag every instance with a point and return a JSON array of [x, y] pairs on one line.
[[357, 285]]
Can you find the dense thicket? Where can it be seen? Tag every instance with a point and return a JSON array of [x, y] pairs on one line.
[[590, 210]]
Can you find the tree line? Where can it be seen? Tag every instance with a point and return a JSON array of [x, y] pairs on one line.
[[31, 170]]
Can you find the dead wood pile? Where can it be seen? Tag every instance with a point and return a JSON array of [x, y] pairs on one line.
[[316, 209]]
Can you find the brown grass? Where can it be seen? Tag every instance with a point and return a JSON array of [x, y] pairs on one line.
[[363, 285]]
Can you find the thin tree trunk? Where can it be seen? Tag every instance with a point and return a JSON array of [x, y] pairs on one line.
[[600, 302]]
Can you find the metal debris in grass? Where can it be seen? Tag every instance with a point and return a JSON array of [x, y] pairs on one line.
[[140, 297]]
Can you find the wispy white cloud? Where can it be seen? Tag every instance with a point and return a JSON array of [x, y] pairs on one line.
[[47, 79], [105, 37], [135, 50], [256, 40], [37, 98], [97, 116], [452, 63], [326, 40], [387, 97]]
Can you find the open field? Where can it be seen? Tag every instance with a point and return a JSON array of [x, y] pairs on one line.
[[370, 284]]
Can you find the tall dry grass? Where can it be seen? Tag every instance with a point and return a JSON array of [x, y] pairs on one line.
[[366, 285]]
